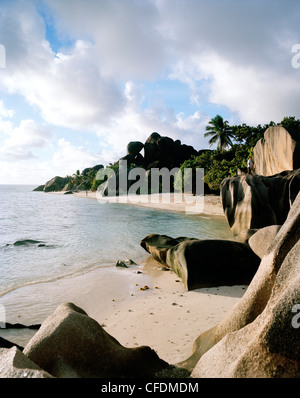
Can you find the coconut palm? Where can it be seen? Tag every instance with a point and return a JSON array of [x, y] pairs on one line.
[[220, 131]]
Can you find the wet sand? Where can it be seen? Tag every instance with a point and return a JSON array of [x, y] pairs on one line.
[[140, 305]]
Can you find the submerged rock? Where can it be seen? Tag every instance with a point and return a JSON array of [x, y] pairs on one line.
[[26, 242]]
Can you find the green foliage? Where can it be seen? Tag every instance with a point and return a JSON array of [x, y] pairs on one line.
[[234, 146], [220, 163], [102, 175], [220, 131], [291, 124], [249, 135], [217, 165]]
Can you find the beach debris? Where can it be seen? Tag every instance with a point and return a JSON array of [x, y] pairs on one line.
[[125, 263], [144, 288]]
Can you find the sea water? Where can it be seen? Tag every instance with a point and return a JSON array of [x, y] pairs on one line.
[[48, 236]]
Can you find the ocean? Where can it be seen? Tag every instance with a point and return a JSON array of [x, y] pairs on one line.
[[44, 237]]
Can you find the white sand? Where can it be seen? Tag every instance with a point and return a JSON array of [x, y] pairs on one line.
[[187, 203], [165, 316]]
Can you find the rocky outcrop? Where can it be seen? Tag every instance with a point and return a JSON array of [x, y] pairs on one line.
[[40, 188], [254, 201], [262, 239], [163, 151], [159, 153], [96, 168], [71, 344], [56, 184], [203, 263], [14, 364], [278, 151], [207, 263], [134, 148], [260, 336], [158, 245]]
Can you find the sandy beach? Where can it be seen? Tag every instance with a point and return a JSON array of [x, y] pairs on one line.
[[140, 305], [209, 205]]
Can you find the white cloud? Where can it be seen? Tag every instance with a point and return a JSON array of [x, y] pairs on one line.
[[68, 87], [22, 139], [126, 34], [243, 52], [135, 124], [230, 54], [5, 113], [68, 158]]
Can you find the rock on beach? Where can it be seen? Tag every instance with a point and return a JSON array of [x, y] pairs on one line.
[[202, 263], [71, 344], [261, 324]]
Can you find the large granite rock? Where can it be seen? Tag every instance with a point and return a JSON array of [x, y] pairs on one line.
[[71, 344], [202, 263], [160, 152], [163, 151], [254, 201], [207, 263], [260, 336], [14, 364], [278, 151], [56, 184], [262, 239], [134, 148], [158, 245]]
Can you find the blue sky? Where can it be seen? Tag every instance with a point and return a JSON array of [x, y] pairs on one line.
[[85, 77]]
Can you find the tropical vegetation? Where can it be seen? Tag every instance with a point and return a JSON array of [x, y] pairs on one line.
[[235, 145]]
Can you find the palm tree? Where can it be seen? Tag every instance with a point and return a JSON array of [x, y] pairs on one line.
[[220, 131]]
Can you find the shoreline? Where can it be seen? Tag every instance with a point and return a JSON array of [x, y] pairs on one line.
[[207, 205], [164, 315]]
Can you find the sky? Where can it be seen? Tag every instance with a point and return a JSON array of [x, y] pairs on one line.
[[80, 79]]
